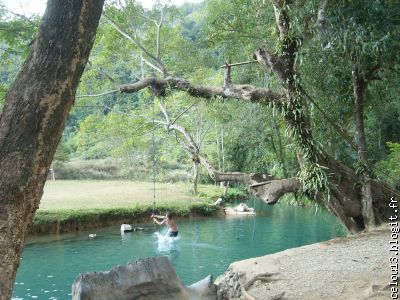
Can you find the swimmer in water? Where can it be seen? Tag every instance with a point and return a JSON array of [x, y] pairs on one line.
[[169, 221]]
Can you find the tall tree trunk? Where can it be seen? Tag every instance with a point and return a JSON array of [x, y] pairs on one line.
[[335, 188], [222, 148], [279, 151], [195, 178], [218, 147], [359, 87], [33, 118]]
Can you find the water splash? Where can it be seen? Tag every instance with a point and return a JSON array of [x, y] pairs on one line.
[[166, 243]]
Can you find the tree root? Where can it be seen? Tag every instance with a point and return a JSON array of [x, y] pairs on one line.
[[266, 277], [277, 296], [247, 296], [379, 290], [263, 277]]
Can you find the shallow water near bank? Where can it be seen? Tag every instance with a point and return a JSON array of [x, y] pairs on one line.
[[205, 246]]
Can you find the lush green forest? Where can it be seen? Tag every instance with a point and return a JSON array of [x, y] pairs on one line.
[[111, 133], [284, 97]]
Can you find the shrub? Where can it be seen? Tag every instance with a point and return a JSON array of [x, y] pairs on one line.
[[177, 176], [89, 169], [391, 165]]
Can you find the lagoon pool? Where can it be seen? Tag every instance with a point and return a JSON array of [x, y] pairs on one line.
[[205, 246]]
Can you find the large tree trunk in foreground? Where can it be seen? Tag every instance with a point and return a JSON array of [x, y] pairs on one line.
[[33, 118]]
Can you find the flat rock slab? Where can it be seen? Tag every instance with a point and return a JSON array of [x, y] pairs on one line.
[[353, 267]]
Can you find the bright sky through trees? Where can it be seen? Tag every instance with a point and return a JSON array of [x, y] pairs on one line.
[[30, 7]]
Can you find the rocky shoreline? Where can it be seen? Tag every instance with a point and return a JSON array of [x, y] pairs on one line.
[[354, 267]]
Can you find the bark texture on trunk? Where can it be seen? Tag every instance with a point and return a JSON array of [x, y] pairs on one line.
[[359, 87], [195, 178], [351, 204], [33, 118], [242, 92]]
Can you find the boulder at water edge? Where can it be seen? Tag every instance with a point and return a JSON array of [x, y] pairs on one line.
[[151, 279]]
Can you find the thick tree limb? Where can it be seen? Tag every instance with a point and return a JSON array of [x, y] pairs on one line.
[[282, 68], [243, 92], [270, 191]]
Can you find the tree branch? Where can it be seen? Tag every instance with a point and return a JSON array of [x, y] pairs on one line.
[[372, 73], [183, 112], [164, 112], [137, 43], [243, 92], [159, 24], [338, 129], [108, 76], [151, 65], [227, 75], [281, 18], [98, 95], [238, 64], [263, 186], [321, 14], [270, 191], [270, 61]]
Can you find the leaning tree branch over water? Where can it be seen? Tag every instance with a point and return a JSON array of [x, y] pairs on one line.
[[264, 186]]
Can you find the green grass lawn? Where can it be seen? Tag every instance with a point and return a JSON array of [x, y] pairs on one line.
[[96, 194]]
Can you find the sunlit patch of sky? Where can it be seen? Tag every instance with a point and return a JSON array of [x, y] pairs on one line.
[[30, 7]]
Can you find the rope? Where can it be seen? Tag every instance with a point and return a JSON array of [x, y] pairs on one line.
[[154, 156], [254, 219], [236, 217], [166, 181]]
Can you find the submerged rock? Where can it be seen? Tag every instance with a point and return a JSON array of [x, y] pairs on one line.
[[152, 279]]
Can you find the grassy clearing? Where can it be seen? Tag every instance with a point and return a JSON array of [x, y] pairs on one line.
[[63, 221], [69, 205], [86, 195]]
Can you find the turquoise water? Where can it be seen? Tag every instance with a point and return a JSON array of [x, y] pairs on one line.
[[205, 246]]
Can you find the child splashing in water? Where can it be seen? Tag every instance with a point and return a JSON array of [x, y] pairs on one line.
[[169, 221]]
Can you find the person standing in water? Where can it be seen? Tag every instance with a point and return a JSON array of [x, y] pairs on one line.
[[169, 221]]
